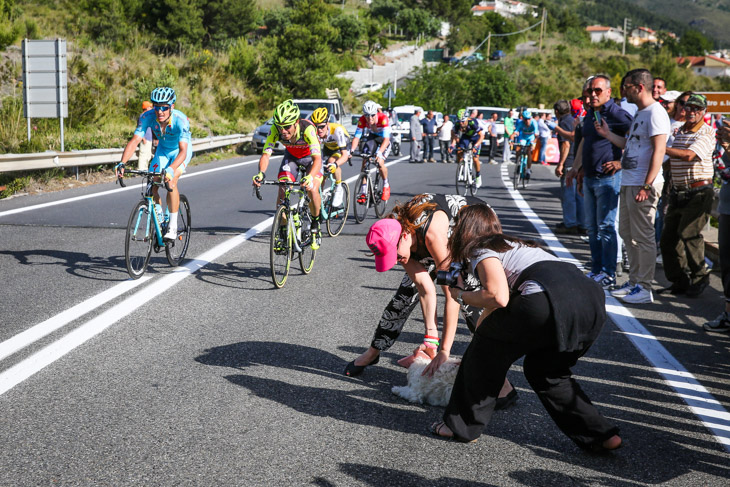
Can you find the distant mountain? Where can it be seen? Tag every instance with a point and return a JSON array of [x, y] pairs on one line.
[[711, 17]]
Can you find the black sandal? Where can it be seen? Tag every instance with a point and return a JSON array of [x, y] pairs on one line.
[[436, 430], [504, 402], [353, 370]]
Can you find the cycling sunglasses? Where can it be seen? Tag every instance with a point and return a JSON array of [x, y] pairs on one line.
[[285, 127], [161, 108], [321, 126]]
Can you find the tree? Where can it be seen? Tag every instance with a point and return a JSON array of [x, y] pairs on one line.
[[243, 60], [110, 21], [349, 32], [176, 21], [416, 21], [277, 20], [385, 9], [228, 19], [693, 43]]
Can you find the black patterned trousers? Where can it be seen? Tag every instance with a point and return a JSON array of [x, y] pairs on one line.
[[400, 307]]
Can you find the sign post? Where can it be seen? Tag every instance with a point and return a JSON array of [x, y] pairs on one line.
[[389, 95], [45, 86]]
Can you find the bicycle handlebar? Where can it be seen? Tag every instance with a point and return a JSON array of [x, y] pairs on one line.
[[120, 179]]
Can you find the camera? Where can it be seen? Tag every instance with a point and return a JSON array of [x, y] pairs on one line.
[[449, 278]]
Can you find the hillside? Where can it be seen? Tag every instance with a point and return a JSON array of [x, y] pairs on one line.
[[710, 17]]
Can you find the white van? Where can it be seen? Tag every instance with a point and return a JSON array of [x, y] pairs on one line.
[[404, 114]]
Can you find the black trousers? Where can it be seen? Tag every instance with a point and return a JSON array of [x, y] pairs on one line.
[[525, 327], [723, 241]]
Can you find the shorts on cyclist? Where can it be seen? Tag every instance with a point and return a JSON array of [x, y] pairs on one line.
[[526, 141], [373, 144], [327, 153], [163, 159], [290, 165], [466, 142]]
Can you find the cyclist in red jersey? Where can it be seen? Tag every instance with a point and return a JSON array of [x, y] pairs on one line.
[[303, 154], [378, 126]]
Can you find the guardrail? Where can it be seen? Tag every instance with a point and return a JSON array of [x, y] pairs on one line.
[[51, 159]]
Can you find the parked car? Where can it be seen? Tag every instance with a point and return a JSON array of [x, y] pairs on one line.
[[368, 87], [497, 55], [262, 132]]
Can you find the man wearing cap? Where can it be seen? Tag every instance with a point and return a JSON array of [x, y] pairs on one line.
[[690, 201]]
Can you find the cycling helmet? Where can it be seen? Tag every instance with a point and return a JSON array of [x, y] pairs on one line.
[[527, 114], [370, 108], [320, 115], [164, 95], [462, 115], [286, 113]]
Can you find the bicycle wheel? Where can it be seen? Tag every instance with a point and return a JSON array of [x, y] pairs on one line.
[[360, 209], [306, 256], [338, 216], [138, 242], [177, 249], [460, 179], [516, 177], [523, 177], [471, 180], [377, 195], [280, 248]]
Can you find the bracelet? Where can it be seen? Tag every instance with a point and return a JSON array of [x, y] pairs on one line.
[[431, 342]]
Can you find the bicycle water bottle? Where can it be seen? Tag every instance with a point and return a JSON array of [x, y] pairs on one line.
[[158, 211], [298, 226], [167, 215]]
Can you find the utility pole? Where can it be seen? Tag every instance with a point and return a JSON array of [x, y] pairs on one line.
[[489, 43], [542, 27], [627, 25]]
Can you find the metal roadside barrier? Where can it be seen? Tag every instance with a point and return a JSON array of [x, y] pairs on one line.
[[52, 159]]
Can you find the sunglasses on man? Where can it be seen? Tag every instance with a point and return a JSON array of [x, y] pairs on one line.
[[161, 108]]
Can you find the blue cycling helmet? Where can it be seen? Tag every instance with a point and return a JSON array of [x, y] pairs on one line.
[[164, 95], [527, 114]]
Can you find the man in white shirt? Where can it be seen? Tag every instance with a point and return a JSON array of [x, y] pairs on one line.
[[444, 132], [641, 183]]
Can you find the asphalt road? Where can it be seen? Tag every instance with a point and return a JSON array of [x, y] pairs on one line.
[[207, 375]]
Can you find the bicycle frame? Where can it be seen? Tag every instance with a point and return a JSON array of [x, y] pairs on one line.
[[328, 191], [292, 210], [148, 195]]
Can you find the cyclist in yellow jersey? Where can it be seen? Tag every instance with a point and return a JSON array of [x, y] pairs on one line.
[[335, 148], [302, 154]]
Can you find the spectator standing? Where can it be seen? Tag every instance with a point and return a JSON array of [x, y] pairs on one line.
[[601, 162], [641, 184], [492, 131], [722, 322], [416, 136], [544, 134], [659, 88], [509, 129], [430, 128], [444, 132], [630, 108], [145, 146], [571, 200], [690, 202]]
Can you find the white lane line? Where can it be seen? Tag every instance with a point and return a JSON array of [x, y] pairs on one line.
[[31, 335], [36, 362], [117, 190], [33, 364], [703, 404]]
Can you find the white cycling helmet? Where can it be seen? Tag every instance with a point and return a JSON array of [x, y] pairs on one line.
[[370, 108]]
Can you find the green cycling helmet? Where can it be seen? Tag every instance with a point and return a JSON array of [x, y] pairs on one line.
[[286, 113], [461, 115]]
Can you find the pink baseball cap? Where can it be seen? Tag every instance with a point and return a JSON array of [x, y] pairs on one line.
[[382, 240]]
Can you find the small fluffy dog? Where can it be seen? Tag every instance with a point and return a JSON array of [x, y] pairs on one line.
[[435, 390]]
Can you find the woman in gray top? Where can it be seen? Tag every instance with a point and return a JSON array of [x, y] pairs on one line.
[[535, 306]]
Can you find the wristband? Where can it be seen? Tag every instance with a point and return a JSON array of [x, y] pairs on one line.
[[459, 297]]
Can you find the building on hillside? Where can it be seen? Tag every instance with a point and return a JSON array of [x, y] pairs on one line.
[[712, 66], [642, 35], [599, 33], [505, 8]]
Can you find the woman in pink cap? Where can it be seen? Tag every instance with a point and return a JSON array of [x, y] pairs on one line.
[[416, 236]]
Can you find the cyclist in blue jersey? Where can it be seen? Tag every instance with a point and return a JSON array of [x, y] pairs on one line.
[[525, 133], [172, 130], [466, 133]]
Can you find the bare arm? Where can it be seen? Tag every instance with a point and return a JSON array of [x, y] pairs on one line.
[[682, 154]]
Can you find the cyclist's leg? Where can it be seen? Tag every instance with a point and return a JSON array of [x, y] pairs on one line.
[[287, 172]]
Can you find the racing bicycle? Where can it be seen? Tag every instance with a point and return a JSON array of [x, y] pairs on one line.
[[334, 216], [290, 232], [465, 174], [373, 190], [520, 174], [146, 227]]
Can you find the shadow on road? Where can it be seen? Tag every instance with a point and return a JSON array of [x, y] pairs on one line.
[[78, 263]]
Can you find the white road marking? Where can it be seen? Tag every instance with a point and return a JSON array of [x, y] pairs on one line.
[[36, 362], [117, 190], [703, 404]]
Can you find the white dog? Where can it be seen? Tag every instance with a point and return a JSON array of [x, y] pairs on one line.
[[435, 390]]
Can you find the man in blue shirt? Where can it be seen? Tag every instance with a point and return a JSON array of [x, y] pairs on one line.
[[601, 162], [172, 129], [429, 135]]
